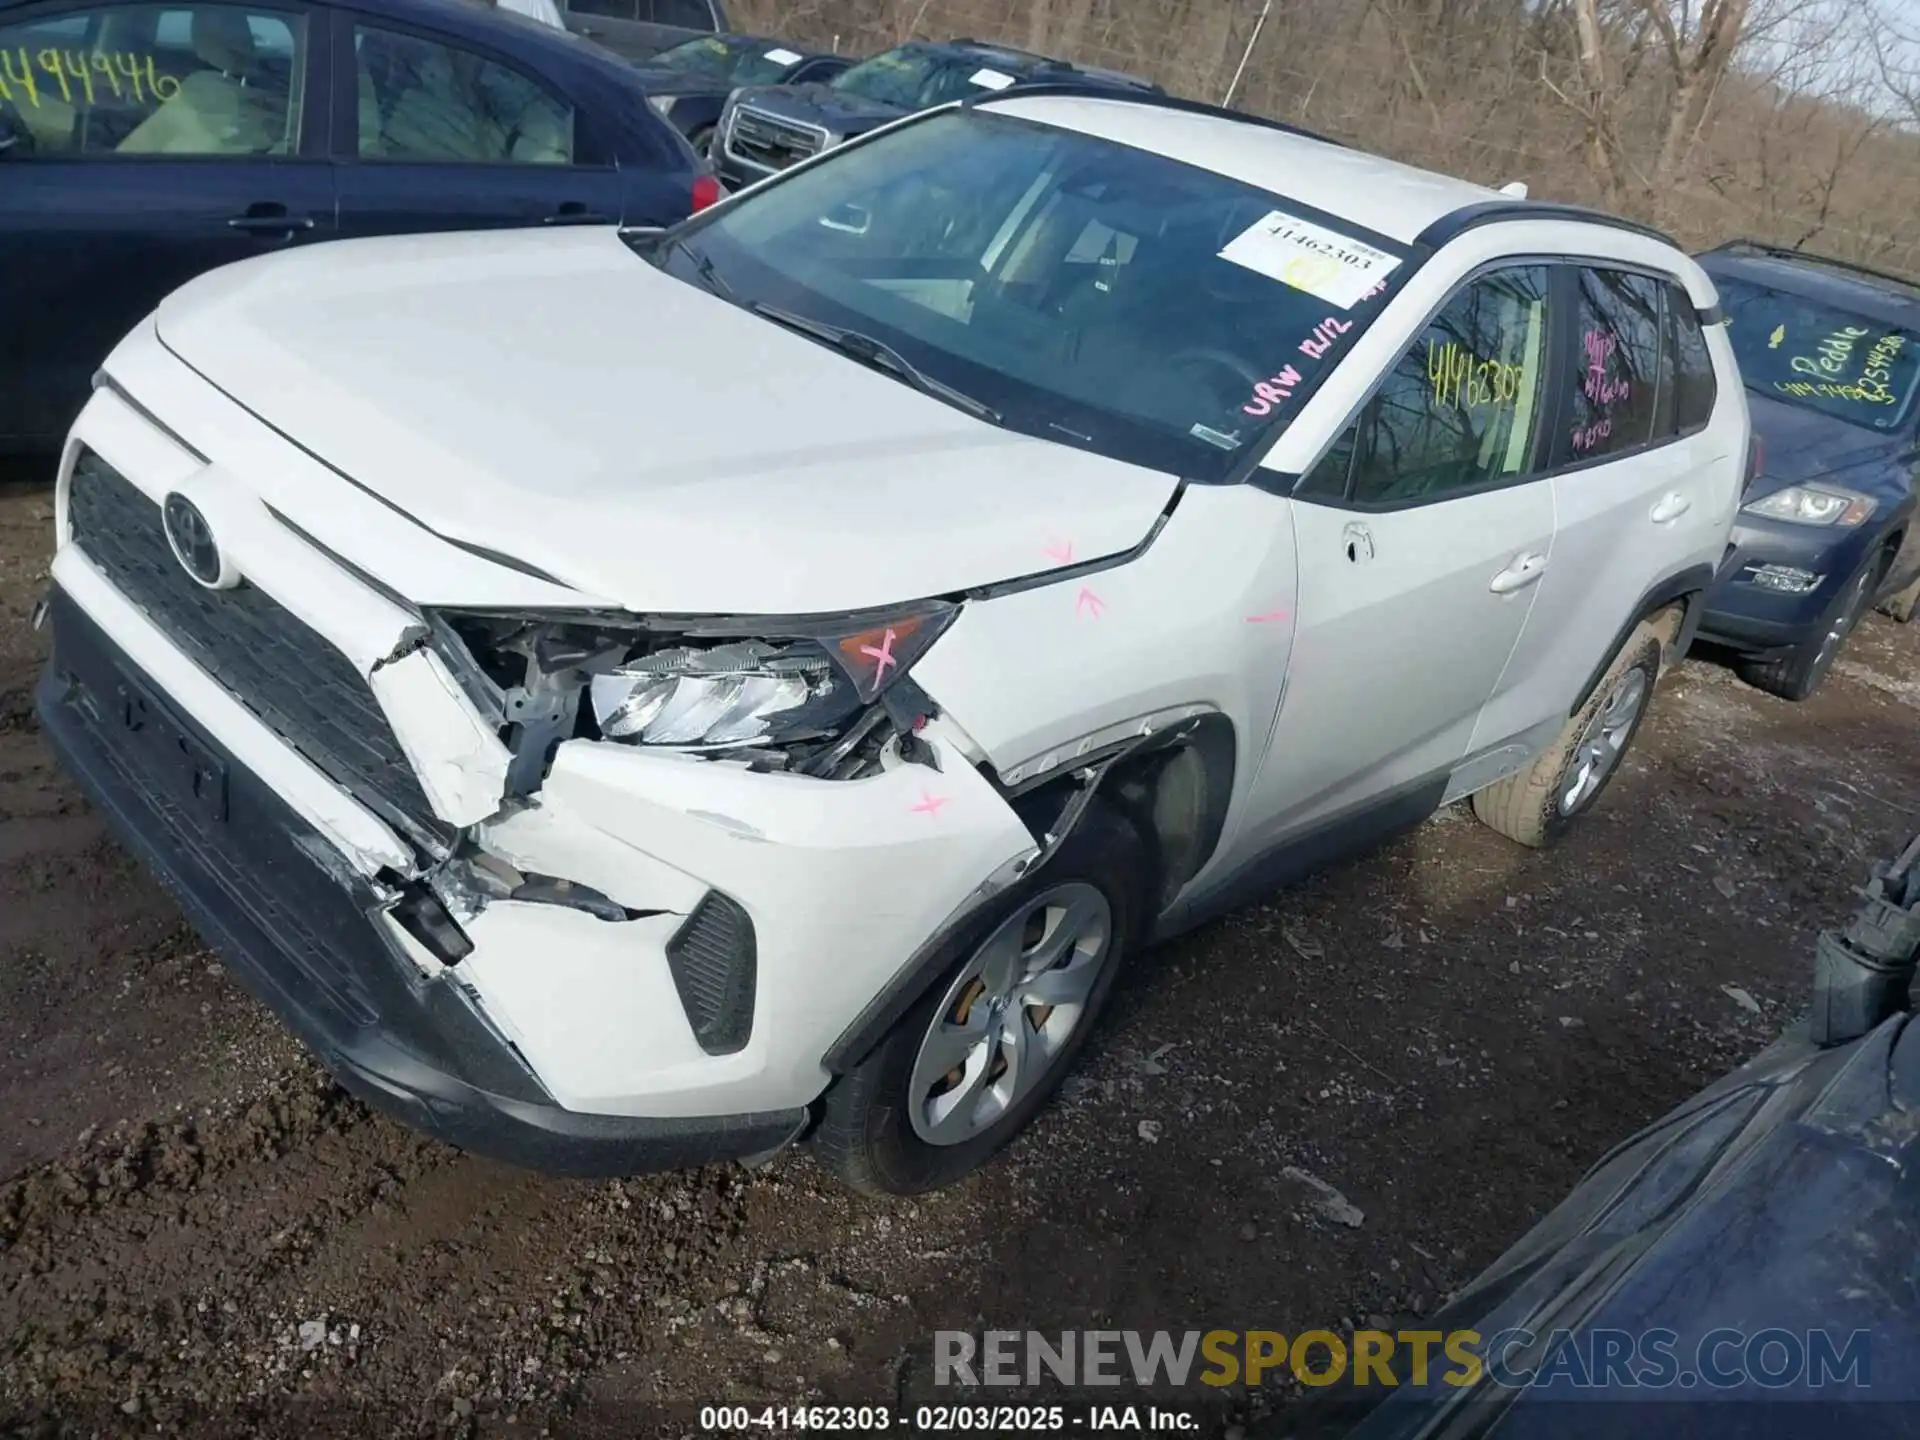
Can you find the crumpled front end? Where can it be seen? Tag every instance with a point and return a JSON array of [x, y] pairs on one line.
[[414, 841]]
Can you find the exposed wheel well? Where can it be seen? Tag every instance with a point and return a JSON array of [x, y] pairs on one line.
[[1175, 794]]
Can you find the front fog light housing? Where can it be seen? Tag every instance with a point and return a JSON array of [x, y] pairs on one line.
[[1785, 578], [1813, 505]]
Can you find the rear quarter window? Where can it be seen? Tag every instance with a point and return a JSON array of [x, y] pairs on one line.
[[1695, 386]]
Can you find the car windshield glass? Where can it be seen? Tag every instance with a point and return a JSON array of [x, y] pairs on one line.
[[1817, 355], [728, 60], [913, 78], [1089, 292]]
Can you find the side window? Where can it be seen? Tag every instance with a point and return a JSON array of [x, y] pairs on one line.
[[1462, 408], [687, 14], [1617, 370], [427, 102], [154, 80], [1695, 388], [612, 9]]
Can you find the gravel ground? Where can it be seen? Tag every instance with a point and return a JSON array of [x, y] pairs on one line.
[[199, 1234]]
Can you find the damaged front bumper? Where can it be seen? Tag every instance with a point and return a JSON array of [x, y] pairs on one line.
[[679, 943], [270, 893]]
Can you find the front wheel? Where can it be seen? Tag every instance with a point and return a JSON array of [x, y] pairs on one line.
[[1536, 806], [967, 1068]]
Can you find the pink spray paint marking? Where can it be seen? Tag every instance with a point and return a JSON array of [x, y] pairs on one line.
[[1088, 603], [1060, 550], [929, 804], [883, 655], [1316, 345], [1268, 618], [1269, 393], [1598, 388]]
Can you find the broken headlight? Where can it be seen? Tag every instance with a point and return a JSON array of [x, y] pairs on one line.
[[727, 693], [744, 693]]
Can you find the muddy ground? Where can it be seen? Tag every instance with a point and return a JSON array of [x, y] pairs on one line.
[[199, 1234]]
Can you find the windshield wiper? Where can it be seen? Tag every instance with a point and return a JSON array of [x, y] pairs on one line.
[[877, 354]]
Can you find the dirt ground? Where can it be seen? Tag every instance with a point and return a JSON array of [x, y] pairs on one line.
[[199, 1234]]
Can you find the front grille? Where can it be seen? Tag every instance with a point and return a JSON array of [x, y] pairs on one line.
[[267, 658], [771, 142], [714, 964]]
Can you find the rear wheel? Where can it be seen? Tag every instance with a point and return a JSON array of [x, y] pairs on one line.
[[967, 1068], [1798, 673], [1539, 804]]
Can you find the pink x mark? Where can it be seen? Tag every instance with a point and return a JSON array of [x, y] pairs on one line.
[[1061, 550], [1088, 603], [929, 804], [884, 655]]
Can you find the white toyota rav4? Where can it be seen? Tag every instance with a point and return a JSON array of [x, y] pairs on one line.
[[628, 700]]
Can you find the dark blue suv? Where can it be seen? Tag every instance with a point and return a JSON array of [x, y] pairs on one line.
[[1831, 356]]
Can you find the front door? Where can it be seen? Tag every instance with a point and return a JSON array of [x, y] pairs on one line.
[[438, 136], [152, 143], [1421, 536]]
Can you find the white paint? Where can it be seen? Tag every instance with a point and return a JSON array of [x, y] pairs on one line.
[[460, 761], [990, 79], [383, 356], [1309, 257]]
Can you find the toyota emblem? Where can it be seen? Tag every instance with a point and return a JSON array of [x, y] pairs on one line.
[[193, 544]]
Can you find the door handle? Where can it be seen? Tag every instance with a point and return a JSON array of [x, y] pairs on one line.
[[576, 213], [1670, 508], [1524, 570], [269, 219]]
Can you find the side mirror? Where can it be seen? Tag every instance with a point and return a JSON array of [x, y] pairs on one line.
[[15, 139]]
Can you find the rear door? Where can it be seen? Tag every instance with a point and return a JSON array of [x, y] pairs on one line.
[[158, 141], [439, 134], [1421, 536], [1636, 473]]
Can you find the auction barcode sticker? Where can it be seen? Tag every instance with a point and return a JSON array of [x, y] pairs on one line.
[[1310, 258], [990, 79]]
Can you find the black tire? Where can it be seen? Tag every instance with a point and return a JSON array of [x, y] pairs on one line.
[[1797, 673], [866, 1136], [1526, 806]]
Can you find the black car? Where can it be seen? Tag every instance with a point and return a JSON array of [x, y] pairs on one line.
[[690, 83], [764, 130], [637, 30], [141, 145], [1831, 356], [1748, 1266]]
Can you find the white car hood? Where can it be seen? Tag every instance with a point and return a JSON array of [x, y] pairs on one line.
[[551, 397]]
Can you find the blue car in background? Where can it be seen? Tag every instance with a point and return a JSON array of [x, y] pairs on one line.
[[1831, 357], [142, 144]]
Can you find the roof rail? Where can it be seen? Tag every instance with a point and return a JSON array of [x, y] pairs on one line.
[[1830, 262], [1493, 212], [1159, 99]]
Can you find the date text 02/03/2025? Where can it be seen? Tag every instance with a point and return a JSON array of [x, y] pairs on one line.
[[948, 1419]]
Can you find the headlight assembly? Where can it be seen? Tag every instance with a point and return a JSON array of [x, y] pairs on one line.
[[1813, 505], [801, 693]]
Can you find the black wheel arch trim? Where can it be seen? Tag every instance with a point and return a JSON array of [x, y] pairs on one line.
[[1689, 585], [1210, 735]]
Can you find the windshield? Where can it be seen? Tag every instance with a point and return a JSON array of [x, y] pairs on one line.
[[1816, 355], [729, 60], [1091, 293], [912, 78]]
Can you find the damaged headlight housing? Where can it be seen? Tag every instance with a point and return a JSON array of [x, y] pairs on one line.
[[763, 690], [710, 687]]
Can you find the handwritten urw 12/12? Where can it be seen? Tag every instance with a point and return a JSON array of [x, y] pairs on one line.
[[81, 75]]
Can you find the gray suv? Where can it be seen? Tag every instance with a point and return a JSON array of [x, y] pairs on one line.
[[641, 29]]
